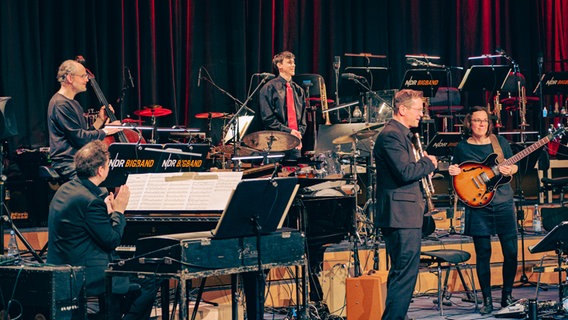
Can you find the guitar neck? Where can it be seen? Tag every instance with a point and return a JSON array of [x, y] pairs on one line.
[[530, 149]]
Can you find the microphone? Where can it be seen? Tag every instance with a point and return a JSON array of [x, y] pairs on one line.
[[130, 78], [266, 75], [336, 63], [199, 78], [351, 76]]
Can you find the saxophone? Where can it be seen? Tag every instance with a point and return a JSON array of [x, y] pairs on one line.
[[523, 107], [323, 99], [497, 111], [427, 185]]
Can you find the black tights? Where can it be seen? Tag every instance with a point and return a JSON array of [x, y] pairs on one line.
[[483, 256]]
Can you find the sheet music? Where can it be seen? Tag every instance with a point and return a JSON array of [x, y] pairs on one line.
[[187, 191]]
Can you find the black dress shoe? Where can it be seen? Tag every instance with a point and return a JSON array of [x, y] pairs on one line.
[[487, 307]]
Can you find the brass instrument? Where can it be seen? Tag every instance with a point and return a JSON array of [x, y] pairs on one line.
[[523, 107], [497, 110], [427, 185], [323, 99], [425, 110]]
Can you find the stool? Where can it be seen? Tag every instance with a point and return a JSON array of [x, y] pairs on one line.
[[559, 184], [447, 259]]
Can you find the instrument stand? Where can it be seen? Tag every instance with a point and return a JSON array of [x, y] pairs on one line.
[[5, 216], [524, 280]]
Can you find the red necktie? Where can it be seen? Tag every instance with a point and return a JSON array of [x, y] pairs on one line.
[[290, 108]]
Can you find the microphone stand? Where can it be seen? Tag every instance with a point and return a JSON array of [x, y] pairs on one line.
[[336, 69], [235, 119], [236, 136]]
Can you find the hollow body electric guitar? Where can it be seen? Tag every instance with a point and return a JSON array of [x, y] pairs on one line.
[[476, 184]]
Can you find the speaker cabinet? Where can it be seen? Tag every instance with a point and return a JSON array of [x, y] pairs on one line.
[[40, 293], [366, 296]]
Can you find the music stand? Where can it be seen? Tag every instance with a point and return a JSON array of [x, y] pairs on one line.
[[550, 83], [443, 143], [484, 78], [426, 80], [257, 207], [556, 240]]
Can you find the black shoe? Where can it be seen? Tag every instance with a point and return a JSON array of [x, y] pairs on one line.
[[487, 307], [507, 300]]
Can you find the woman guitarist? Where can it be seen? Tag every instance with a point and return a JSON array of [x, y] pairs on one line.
[[68, 129], [497, 217]]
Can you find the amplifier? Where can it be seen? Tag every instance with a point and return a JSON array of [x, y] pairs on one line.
[[43, 292]]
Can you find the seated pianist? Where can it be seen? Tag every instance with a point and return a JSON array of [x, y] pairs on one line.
[[85, 226]]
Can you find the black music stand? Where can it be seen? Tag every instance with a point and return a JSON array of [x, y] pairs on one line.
[[426, 80], [550, 82], [443, 144], [484, 78], [257, 207], [556, 240]]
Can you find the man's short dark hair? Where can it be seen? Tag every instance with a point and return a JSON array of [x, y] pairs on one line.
[[280, 57], [405, 95], [90, 158]]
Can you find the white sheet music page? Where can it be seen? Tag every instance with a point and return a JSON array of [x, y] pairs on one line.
[[187, 191]]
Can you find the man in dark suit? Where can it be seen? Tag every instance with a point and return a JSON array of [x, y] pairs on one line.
[[400, 204], [85, 226]]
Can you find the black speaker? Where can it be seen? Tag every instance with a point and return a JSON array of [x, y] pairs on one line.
[[551, 217], [42, 292]]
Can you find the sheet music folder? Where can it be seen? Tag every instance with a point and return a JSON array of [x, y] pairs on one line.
[[482, 77]]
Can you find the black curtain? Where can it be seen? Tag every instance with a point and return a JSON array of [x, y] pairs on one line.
[[164, 44]]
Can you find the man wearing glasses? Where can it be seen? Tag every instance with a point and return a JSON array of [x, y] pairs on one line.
[[68, 129], [400, 203]]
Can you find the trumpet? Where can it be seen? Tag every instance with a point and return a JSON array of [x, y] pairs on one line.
[[427, 185], [523, 107], [323, 99], [497, 110]]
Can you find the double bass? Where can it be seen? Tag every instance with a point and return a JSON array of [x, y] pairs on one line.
[[124, 136]]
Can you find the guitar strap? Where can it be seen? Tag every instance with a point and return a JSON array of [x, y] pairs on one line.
[[497, 148]]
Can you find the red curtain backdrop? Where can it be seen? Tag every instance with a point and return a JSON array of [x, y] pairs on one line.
[[164, 44]]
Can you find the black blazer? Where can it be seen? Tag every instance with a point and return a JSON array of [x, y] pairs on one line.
[[400, 202], [82, 233]]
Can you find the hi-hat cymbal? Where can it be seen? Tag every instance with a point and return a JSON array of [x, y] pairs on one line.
[[153, 110], [210, 115], [275, 141]]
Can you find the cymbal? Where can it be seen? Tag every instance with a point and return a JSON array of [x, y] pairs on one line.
[[514, 100], [129, 120], [153, 110], [276, 141], [369, 130], [212, 115], [343, 139], [363, 133]]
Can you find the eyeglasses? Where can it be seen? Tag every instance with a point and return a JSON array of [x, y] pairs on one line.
[[478, 121], [84, 76]]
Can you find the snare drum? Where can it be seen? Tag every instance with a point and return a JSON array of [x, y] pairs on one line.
[[330, 165]]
